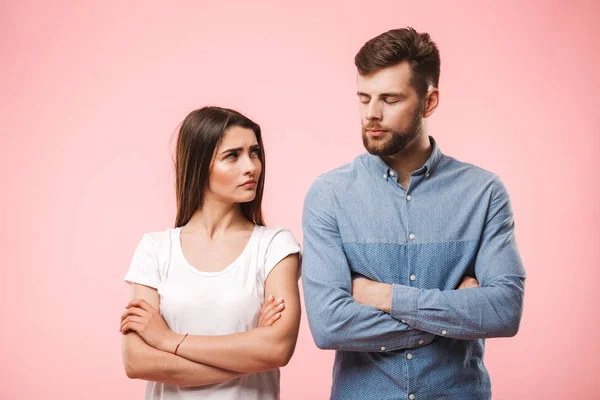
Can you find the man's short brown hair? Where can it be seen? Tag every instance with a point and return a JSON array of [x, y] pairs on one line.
[[398, 45]]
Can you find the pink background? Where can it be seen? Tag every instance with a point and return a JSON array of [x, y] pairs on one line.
[[91, 94]]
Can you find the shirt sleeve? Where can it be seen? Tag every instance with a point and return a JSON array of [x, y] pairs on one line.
[[281, 245], [492, 310], [335, 319], [144, 265]]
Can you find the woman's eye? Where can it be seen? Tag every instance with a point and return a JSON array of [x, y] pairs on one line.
[[255, 152], [232, 156]]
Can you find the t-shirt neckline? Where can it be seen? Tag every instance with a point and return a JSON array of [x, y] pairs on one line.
[[228, 268]]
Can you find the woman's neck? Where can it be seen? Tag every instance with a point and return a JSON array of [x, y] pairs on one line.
[[216, 217]]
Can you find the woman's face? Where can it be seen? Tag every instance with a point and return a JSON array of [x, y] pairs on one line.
[[236, 167]]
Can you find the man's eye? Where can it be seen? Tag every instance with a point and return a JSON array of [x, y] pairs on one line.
[[391, 101]]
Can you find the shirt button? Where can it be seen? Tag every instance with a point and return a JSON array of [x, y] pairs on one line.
[[403, 321], [411, 396], [392, 173], [409, 356], [421, 341], [444, 332], [408, 197], [414, 278], [384, 176], [427, 175], [382, 348], [411, 236]]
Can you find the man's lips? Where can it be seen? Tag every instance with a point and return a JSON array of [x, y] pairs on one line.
[[376, 132]]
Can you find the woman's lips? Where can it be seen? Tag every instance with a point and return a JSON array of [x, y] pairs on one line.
[[249, 184]]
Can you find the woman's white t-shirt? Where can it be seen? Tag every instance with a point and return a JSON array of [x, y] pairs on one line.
[[212, 303]]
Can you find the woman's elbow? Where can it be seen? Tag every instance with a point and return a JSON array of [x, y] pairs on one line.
[[131, 367], [132, 363], [131, 372], [282, 355]]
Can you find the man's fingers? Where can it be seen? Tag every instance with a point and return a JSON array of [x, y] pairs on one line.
[[468, 282]]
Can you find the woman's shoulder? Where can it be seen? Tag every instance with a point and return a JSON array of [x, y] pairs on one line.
[[159, 240], [270, 232], [275, 237]]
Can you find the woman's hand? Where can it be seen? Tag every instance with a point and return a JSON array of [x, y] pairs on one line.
[[146, 320], [270, 312]]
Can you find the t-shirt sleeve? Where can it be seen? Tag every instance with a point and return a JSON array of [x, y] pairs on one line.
[[144, 265], [282, 245]]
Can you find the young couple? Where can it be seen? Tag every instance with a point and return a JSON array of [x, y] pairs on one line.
[[409, 258]]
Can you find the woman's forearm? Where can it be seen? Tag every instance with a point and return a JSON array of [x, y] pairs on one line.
[[256, 350], [142, 361]]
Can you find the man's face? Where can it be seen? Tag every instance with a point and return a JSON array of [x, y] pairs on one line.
[[390, 110]]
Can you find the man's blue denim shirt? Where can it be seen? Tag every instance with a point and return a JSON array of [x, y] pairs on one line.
[[454, 219]]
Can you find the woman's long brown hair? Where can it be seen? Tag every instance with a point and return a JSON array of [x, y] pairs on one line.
[[199, 136]]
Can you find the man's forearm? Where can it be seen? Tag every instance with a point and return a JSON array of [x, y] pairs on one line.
[[444, 313], [461, 314]]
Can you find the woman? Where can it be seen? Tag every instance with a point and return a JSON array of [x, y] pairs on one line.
[[207, 318]]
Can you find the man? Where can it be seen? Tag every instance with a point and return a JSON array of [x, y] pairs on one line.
[[390, 237]]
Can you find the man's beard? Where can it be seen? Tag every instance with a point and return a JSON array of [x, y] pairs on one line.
[[399, 139]]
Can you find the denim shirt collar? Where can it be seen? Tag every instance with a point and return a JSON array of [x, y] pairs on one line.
[[380, 169]]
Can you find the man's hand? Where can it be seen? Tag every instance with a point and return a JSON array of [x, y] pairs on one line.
[[468, 282], [372, 293]]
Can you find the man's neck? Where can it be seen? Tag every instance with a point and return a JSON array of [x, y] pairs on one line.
[[410, 159]]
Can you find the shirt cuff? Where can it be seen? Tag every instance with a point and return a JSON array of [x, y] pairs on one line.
[[404, 304]]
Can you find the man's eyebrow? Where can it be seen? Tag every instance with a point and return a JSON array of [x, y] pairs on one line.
[[387, 94], [392, 94]]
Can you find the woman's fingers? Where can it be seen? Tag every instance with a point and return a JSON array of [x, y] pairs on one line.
[[269, 304], [273, 319], [133, 311], [269, 317], [133, 323], [140, 303]]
